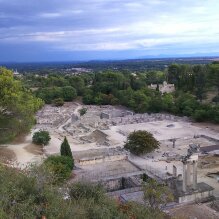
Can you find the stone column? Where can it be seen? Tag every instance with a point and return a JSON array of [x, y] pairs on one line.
[[174, 143], [174, 171], [184, 177], [188, 178], [194, 184]]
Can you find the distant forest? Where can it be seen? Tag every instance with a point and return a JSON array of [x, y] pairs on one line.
[[131, 65]]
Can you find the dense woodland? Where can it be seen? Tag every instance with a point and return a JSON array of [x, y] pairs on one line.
[[193, 83]]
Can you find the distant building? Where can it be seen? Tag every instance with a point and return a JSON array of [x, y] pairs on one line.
[[16, 73], [163, 88]]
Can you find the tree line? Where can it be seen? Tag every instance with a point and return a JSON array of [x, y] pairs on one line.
[[192, 83]]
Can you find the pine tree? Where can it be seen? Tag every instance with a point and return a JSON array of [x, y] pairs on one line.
[[65, 149]]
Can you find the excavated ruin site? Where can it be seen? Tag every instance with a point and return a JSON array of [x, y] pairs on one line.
[[97, 140]]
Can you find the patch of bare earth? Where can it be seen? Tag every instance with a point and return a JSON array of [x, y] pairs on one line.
[[19, 139], [6, 155], [210, 126], [194, 211], [34, 149], [209, 162]]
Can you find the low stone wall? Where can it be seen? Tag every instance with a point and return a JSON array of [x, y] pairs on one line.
[[112, 184], [119, 183], [101, 159], [195, 197], [209, 138]]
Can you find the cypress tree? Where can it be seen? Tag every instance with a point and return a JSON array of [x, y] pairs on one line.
[[65, 149]]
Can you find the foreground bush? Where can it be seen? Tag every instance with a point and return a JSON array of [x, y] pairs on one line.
[[61, 167], [85, 190], [30, 195]]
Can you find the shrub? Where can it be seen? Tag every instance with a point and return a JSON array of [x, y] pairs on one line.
[[30, 194], [83, 111], [216, 99], [41, 138], [61, 166], [83, 190], [69, 93], [58, 102]]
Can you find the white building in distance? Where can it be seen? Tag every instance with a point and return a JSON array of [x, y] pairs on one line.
[[163, 88]]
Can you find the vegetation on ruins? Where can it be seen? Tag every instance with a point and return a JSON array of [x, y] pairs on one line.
[[156, 195], [33, 194], [141, 142], [83, 111], [58, 102], [41, 138], [17, 107]]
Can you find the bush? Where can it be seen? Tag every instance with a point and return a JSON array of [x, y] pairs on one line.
[[86, 191], [83, 111], [69, 93], [141, 142], [58, 102], [216, 99], [200, 115], [41, 138], [30, 194], [61, 166]]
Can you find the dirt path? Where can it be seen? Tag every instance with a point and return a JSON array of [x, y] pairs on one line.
[[21, 154], [7, 155]]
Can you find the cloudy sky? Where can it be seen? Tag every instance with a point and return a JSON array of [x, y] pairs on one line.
[[59, 30]]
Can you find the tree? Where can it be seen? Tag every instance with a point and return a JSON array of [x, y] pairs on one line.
[[173, 74], [48, 94], [141, 142], [214, 75], [200, 73], [69, 93], [41, 137], [17, 107], [78, 83], [65, 149], [156, 194]]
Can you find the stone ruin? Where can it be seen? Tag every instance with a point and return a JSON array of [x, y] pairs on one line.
[[185, 187], [163, 88]]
